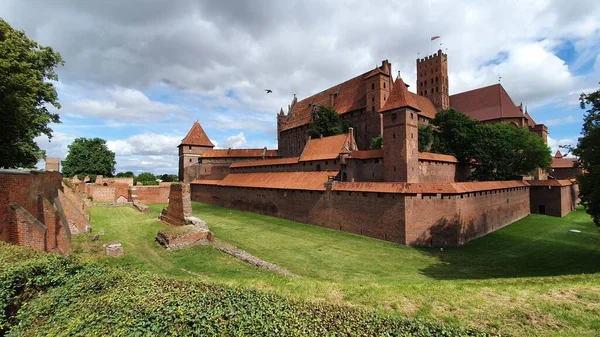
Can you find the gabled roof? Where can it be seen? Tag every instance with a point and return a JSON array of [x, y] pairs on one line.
[[238, 153], [429, 188], [563, 162], [266, 162], [530, 120], [196, 136], [487, 103], [400, 97], [328, 147], [348, 96], [304, 180], [425, 106], [558, 154]]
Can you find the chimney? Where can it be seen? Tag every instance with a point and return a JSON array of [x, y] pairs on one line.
[[264, 153], [351, 133]]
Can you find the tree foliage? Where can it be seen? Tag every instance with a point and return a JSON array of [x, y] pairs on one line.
[[377, 142], [89, 156], [127, 174], [425, 137], [496, 152], [327, 123], [169, 178], [147, 178], [588, 153], [26, 91]]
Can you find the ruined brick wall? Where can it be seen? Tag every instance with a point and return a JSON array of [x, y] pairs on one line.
[[179, 205], [101, 193], [435, 171], [31, 212], [76, 211], [152, 194]]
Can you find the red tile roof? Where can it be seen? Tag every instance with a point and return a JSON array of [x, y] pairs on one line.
[[367, 154], [238, 153], [400, 97], [415, 188], [562, 182], [530, 120], [487, 103], [266, 162], [196, 136], [349, 96], [425, 106], [437, 157], [327, 147], [371, 154], [306, 180], [558, 154], [563, 162]]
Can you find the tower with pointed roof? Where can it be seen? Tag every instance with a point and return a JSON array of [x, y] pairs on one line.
[[400, 135], [432, 79], [191, 148]]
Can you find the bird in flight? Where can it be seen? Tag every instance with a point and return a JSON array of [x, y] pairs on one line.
[[268, 91]]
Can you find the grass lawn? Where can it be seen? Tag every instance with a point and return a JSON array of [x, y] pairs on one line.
[[531, 278]]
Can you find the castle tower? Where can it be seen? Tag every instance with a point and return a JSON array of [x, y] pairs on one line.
[[432, 79], [191, 148], [378, 85], [281, 120], [400, 136]]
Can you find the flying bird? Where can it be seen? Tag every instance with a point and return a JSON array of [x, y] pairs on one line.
[[268, 91]]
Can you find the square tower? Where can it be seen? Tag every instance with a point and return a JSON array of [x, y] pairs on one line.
[[191, 148], [432, 79], [400, 136]]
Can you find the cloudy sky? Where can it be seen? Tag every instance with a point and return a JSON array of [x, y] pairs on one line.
[[138, 73]]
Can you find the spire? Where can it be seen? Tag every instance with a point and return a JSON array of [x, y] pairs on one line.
[[558, 154], [197, 137], [399, 76]]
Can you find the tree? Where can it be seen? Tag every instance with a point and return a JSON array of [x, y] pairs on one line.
[[146, 177], [504, 152], [425, 137], [588, 153], [377, 142], [169, 178], [327, 123], [495, 152], [127, 174], [26, 91], [453, 133], [89, 156]]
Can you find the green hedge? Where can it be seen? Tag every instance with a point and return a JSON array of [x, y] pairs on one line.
[[43, 294]]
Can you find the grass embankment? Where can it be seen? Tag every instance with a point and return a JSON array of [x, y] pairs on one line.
[[48, 295], [526, 279]]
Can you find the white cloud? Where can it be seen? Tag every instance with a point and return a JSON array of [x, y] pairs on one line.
[[145, 144], [235, 142], [562, 121], [57, 147], [555, 144], [122, 105]]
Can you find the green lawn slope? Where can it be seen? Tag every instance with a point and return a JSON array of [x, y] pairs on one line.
[[531, 278]]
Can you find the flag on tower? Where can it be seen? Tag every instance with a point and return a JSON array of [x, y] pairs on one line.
[[435, 37]]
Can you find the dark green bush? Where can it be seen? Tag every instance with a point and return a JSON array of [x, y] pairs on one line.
[[43, 294]]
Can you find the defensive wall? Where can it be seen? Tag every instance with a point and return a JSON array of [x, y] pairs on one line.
[[553, 197], [32, 212], [443, 214]]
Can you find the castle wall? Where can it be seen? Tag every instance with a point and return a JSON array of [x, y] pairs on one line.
[[364, 170], [435, 171], [100, 193], [566, 173], [413, 219], [554, 200]]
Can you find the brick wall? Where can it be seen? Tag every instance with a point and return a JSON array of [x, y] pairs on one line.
[[566, 173], [31, 212], [76, 211], [435, 171], [152, 194], [101, 193], [554, 200], [414, 219]]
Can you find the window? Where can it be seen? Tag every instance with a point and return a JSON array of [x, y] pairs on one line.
[[190, 160], [394, 136], [436, 89], [373, 99], [383, 85], [425, 92], [318, 167], [189, 147], [384, 97], [373, 86], [394, 117]]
